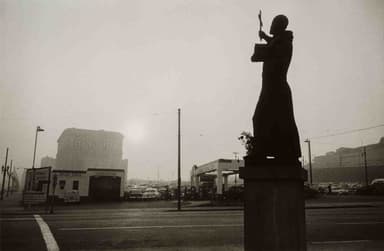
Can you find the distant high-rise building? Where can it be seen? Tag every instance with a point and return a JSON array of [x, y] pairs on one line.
[[81, 149], [48, 161]]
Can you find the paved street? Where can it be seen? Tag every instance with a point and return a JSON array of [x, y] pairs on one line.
[[359, 228]]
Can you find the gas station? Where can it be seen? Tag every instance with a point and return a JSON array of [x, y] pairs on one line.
[[216, 174]]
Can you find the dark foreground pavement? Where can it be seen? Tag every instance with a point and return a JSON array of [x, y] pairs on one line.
[[328, 228]]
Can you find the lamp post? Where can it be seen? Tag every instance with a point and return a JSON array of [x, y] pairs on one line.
[[310, 161], [38, 129]]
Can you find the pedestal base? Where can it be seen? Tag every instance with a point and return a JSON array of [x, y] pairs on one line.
[[274, 214]]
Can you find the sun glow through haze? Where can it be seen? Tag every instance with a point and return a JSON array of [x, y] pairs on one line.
[[135, 132]]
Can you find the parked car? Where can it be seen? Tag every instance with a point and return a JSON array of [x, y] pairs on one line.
[[151, 194], [375, 188], [234, 193], [340, 190], [378, 181], [135, 194], [378, 186]]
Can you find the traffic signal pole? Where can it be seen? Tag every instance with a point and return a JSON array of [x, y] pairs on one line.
[[9, 177], [4, 173], [365, 166]]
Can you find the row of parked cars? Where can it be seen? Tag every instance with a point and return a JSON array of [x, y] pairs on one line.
[[376, 187], [142, 193]]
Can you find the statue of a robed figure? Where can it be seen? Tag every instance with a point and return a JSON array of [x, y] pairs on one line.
[[274, 215], [274, 129]]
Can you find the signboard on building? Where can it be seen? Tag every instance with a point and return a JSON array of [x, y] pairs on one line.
[[37, 179], [36, 185]]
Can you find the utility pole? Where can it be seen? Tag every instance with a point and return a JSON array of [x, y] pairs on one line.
[[178, 165], [4, 169], [238, 161], [38, 129], [158, 176], [53, 192], [12, 177], [310, 161], [9, 177], [365, 165]]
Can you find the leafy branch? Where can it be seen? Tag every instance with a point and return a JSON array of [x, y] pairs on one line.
[[246, 139]]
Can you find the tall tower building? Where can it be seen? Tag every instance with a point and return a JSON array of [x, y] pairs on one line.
[[81, 149]]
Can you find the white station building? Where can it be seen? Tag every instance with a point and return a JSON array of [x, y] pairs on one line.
[[88, 166], [217, 171]]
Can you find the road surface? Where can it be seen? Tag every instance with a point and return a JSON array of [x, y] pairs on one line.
[[163, 229]]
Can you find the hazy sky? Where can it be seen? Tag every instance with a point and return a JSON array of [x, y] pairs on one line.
[[127, 66]]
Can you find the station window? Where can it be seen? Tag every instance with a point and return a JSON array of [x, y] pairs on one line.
[[75, 185], [40, 186], [62, 184]]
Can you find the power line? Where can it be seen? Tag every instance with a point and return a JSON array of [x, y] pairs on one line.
[[347, 132]]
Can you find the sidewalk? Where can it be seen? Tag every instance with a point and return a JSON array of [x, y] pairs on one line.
[[12, 205], [352, 245], [347, 201], [12, 201]]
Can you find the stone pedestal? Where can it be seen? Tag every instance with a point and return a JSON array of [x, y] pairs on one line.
[[274, 213]]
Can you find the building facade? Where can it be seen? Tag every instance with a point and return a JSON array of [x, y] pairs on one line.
[[348, 164], [89, 165]]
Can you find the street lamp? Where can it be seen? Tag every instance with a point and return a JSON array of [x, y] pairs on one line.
[[310, 161], [38, 129]]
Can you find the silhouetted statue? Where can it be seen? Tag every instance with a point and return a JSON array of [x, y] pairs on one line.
[[274, 128]]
